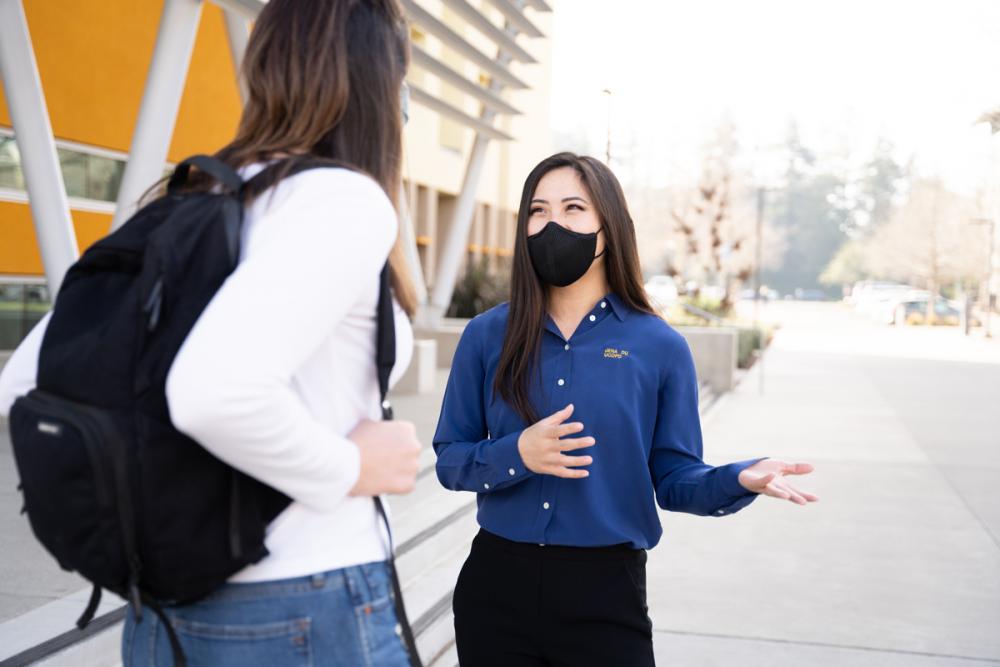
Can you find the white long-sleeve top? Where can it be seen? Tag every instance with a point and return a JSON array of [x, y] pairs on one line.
[[280, 366]]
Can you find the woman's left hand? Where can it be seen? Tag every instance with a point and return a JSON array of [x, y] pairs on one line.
[[768, 477]]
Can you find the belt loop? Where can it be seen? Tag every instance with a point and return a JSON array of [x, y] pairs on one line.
[[353, 584]]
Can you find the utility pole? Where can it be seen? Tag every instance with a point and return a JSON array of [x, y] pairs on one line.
[[990, 224], [759, 251]]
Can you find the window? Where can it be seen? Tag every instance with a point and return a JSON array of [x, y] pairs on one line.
[[86, 175], [22, 304], [10, 165]]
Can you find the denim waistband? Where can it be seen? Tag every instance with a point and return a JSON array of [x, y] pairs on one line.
[[487, 540], [321, 582]]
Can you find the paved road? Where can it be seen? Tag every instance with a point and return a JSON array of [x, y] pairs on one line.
[[898, 565], [899, 562]]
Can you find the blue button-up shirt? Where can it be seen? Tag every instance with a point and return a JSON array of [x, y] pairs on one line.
[[631, 380]]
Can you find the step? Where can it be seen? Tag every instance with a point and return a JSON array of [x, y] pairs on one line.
[[449, 658], [428, 602], [433, 530]]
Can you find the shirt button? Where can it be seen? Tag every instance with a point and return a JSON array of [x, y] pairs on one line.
[[604, 304], [593, 318], [566, 346], [561, 382], [511, 472], [720, 512], [486, 486], [545, 505]]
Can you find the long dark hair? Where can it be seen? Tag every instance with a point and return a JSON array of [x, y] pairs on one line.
[[323, 81], [526, 317]]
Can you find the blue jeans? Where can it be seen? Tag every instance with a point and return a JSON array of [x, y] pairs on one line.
[[342, 618]]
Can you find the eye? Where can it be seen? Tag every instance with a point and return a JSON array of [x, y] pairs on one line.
[[537, 210], [574, 206]]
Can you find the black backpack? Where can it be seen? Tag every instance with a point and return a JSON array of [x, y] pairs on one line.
[[111, 488]]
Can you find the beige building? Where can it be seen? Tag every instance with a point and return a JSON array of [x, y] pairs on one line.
[[440, 145]]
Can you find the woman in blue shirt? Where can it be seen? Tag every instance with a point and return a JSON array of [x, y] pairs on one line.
[[568, 411]]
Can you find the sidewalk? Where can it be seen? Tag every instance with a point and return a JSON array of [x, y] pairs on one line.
[[897, 566], [899, 562]]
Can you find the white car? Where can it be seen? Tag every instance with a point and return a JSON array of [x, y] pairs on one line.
[[662, 291]]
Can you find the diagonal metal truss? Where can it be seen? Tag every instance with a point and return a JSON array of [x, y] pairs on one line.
[[165, 84]]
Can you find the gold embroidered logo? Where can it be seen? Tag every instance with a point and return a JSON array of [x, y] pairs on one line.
[[614, 353]]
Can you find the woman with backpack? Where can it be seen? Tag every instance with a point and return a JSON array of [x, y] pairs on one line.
[[568, 411], [277, 378]]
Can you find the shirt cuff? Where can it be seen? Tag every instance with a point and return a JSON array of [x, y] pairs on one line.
[[503, 462], [738, 496]]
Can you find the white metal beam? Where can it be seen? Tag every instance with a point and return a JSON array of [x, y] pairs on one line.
[[458, 231], [481, 125], [154, 127], [408, 237], [247, 8], [515, 17], [496, 69], [491, 31], [440, 70], [33, 133], [238, 32], [540, 5]]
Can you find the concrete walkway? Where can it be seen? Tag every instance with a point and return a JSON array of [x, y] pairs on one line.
[[898, 565], [899, 562]]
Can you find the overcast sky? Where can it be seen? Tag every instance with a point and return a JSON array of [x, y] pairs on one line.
[[918, 72]]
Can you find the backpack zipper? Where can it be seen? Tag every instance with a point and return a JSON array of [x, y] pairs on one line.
[[49, 404], [153, 305]]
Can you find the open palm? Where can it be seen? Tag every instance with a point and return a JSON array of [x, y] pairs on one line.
[[769, 477]]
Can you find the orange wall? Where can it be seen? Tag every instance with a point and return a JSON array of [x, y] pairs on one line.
[[93, 59], [19, 252]]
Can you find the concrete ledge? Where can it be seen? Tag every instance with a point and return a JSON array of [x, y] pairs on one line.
[[420, 375], [447, 335], [715, 354]]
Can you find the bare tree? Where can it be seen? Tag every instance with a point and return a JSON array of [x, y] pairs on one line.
[[927, 241]]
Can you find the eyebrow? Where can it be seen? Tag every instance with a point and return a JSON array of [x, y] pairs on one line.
[[565, 199]]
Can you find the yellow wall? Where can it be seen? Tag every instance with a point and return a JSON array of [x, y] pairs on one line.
[[93, 59], [19, 252]]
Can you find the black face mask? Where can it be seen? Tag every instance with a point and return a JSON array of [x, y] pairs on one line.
[[561, 257]]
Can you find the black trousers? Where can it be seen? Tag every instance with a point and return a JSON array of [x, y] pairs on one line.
[[548, 606]]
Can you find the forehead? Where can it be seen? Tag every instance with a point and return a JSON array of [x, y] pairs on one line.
[[560, 183]]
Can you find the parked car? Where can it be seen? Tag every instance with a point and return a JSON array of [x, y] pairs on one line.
[[662, 290], [915, 312], [874, 298], [766, 294], [803, 294]]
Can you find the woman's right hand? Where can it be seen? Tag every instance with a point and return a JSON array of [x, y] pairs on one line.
[[542, 450], [390, 457]]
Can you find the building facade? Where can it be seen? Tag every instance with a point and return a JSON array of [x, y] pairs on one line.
[[95, 60]]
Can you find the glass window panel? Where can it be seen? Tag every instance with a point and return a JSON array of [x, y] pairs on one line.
[[74, 169], [11, 175], [104, 176]]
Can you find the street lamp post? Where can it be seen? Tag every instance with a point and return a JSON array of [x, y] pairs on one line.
[[991, 227], [758, 260], [992, 118]]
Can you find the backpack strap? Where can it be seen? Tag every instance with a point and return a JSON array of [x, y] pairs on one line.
[[281, 169], [215, 168], [385, 359]]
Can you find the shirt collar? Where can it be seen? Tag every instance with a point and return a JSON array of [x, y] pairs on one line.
[[618, 307], [614, 303]]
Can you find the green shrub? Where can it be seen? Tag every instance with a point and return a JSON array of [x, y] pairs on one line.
[[747, 342], [479, 290]]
